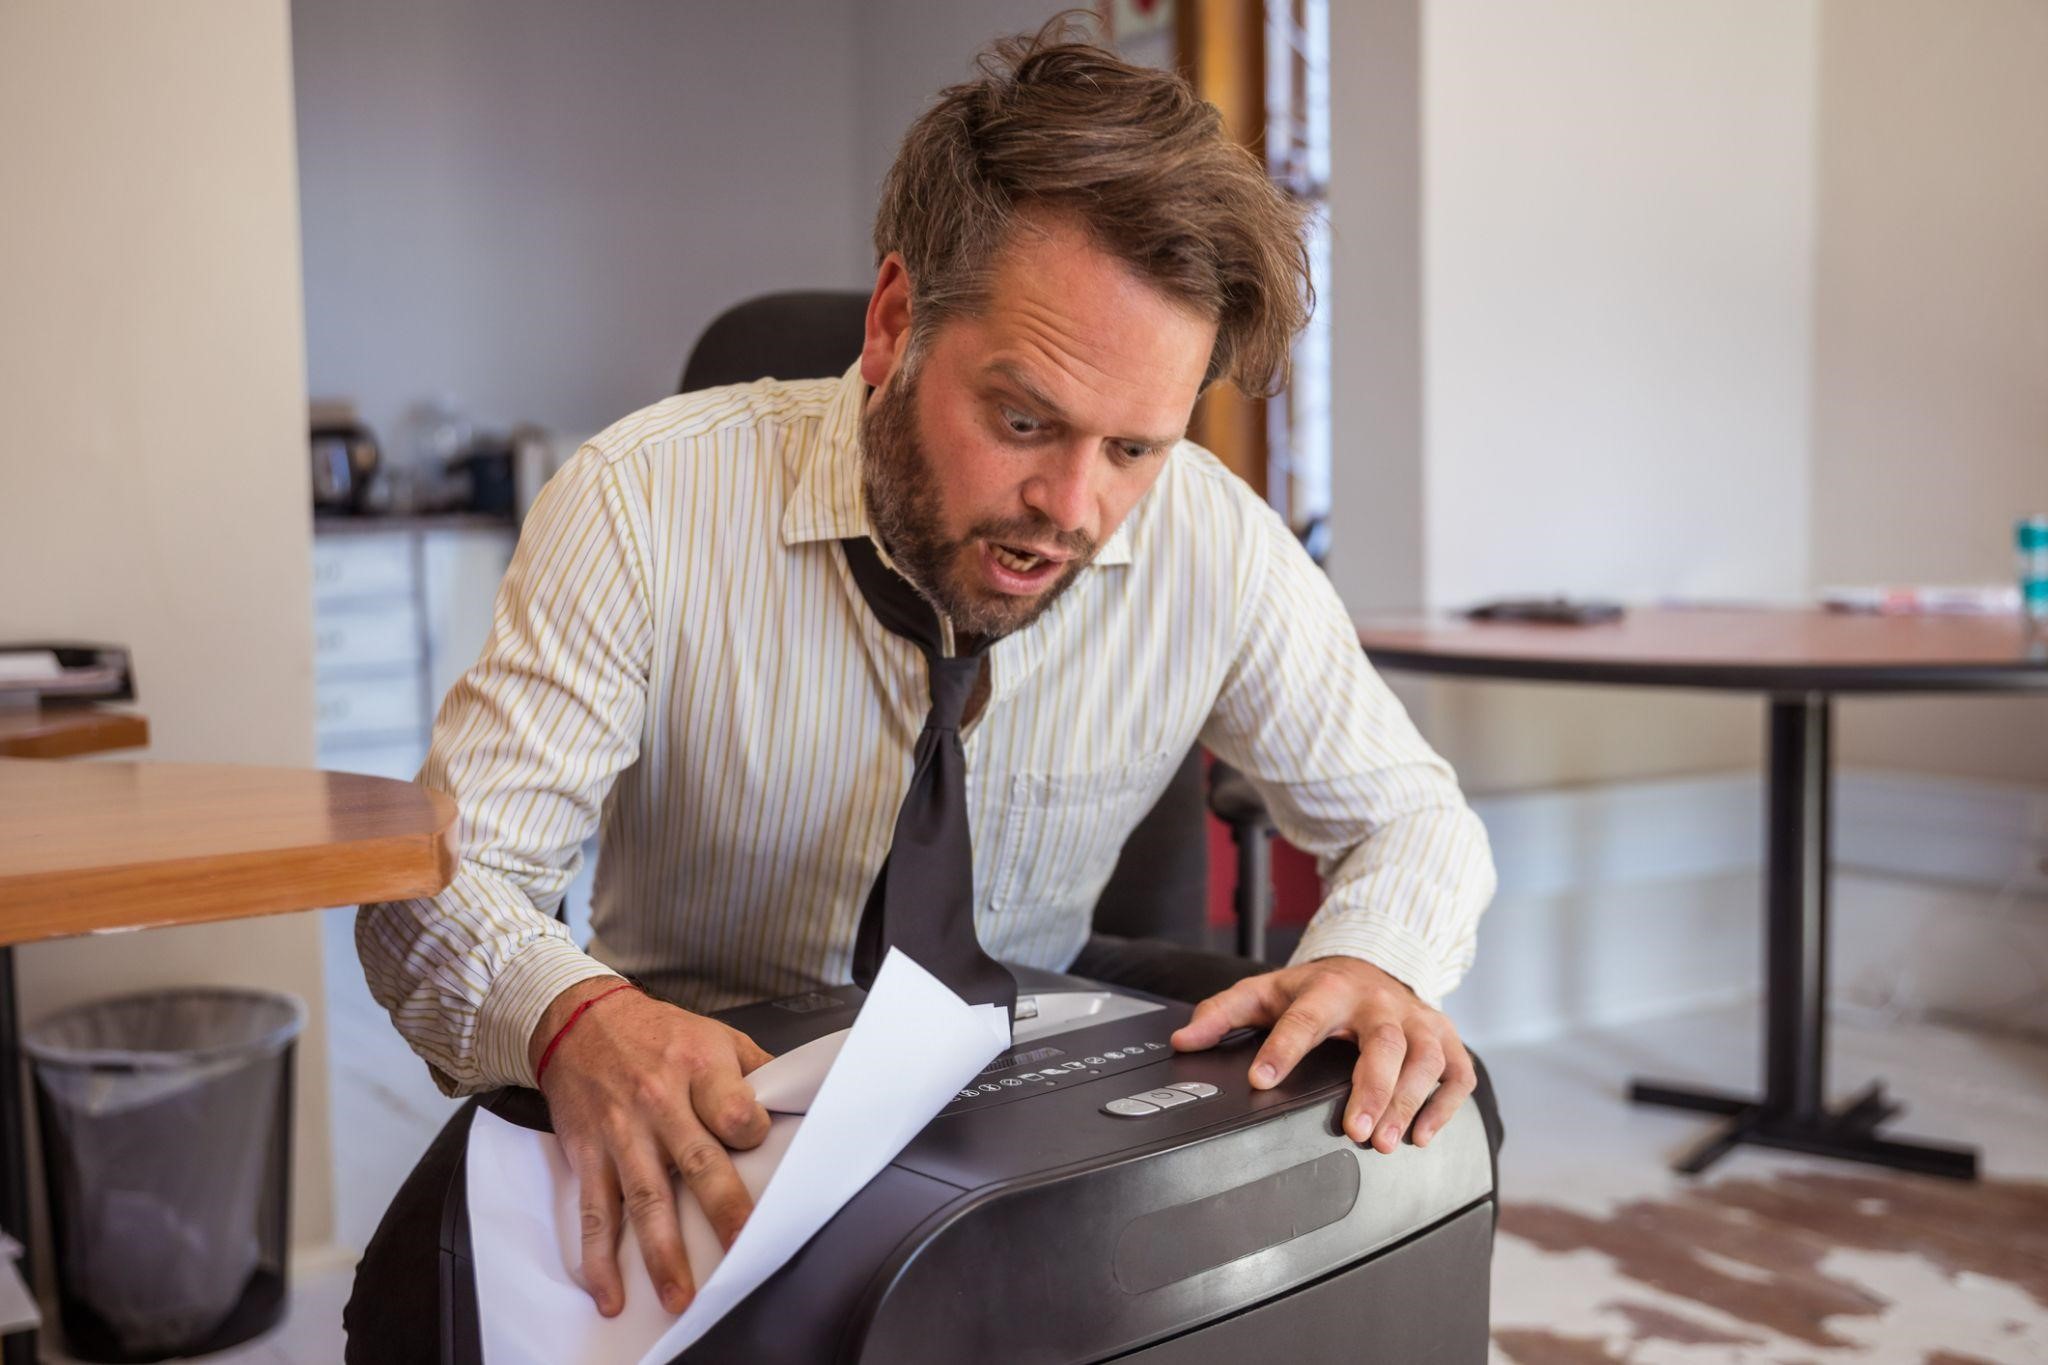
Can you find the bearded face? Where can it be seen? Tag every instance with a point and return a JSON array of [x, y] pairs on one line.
[[1033, 560], [1005, 443]]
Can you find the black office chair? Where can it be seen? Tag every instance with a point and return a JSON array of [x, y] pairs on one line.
[[1160, 886]]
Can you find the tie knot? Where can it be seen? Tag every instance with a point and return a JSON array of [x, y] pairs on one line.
[[952, 683]]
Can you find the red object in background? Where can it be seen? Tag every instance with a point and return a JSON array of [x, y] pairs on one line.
[[1297, 891]]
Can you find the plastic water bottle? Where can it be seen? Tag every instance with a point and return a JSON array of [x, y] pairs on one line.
[[2030, 535]]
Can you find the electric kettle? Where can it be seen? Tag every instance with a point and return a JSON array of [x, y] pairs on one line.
[[345, 457]]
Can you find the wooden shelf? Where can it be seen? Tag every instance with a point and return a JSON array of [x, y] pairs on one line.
[[62, 731]]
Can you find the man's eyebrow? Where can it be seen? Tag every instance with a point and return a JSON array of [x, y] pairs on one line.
[[1038, 398]]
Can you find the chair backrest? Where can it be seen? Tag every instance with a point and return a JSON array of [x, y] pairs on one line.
[[1160, 887], [805, 334]]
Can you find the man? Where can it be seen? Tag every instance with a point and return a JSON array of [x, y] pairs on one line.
[[1069, 252]]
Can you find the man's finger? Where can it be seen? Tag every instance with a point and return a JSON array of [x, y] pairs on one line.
[[706, 1169], [650, 1204], [751, 1053], [1305, 1023], [597, 1211], [1380, 1053], [726, 1105], [1252, 1001], [1420, 1070], [1460, 1080]]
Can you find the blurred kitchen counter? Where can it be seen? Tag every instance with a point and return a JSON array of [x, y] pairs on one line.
[[425, 521]]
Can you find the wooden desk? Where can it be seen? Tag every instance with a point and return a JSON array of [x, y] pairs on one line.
[[94, 847], [1799, 660]]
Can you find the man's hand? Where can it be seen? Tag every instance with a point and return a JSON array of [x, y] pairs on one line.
[[1405, 1048], [638, 1089]]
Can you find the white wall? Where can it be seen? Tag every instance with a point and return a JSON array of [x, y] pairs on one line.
[[1930, 428], [1574, 246], [536, 207], [1618, 264], [905, 52], [152, 484], [1375, 299]]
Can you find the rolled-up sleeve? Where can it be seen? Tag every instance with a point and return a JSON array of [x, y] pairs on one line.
[[528, 743], [1404, 861]]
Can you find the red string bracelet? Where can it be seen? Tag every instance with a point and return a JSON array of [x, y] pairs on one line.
[[569, 1023]]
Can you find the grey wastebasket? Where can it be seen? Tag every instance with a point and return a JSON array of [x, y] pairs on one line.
[[166, 1129]]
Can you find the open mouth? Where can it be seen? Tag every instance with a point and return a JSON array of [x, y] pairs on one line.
[[1015, 569], [1017, 561]]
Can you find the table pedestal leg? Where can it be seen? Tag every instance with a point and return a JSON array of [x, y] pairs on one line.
[[18, 1348], [1793, 1114]]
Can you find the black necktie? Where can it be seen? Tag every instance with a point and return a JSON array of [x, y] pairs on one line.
[[923, 899]]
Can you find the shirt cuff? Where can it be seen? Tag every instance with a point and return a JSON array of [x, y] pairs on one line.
[[520, 994], [1398, 952]]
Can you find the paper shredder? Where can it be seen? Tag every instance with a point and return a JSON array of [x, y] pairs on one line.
[[1095, 1196]]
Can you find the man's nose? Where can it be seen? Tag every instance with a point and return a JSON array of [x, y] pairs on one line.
[[1062, 488]]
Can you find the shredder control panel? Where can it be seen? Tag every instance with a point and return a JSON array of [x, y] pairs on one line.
[[1039, 1067]]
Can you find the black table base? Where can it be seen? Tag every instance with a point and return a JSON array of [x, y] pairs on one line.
[[17, 1348], [1793, 1114], [1848, 1132]]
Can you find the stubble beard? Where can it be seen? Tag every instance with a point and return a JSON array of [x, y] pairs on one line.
[[897, 478]]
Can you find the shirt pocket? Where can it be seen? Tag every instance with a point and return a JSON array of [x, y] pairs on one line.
[[1061, 834]]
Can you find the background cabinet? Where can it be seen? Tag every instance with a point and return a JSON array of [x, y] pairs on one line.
[[400, 609]]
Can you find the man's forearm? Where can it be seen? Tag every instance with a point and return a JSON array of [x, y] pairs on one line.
[[466, 975], [1408, 900]]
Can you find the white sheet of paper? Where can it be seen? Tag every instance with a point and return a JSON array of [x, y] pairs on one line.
[[864, 1092], [788, 1084], [18, 1310]]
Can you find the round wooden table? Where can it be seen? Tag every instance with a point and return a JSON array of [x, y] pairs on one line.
[[1798, 660], [91, 848]]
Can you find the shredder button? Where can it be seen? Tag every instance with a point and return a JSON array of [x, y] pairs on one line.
[[1129, 1108], [1165, 1099], [1201, 1090]]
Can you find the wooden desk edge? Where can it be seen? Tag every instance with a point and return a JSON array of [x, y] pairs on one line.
[[219, 887]]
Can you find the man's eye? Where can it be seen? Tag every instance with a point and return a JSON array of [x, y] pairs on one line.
[[1022, 423]]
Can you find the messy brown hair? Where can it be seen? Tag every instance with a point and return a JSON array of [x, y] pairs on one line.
[[1054, 124]]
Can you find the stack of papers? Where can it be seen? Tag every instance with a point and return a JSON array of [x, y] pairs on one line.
[[841, 1108], [74, 671]]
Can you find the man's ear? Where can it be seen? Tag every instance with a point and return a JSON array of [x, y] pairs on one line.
[[888, 324]]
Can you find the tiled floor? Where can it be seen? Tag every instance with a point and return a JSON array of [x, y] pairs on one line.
[[1572, 1141]]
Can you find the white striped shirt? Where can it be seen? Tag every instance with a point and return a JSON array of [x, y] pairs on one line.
[[680, 659]]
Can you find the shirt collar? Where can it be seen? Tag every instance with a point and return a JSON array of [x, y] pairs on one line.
[[827, 502]]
